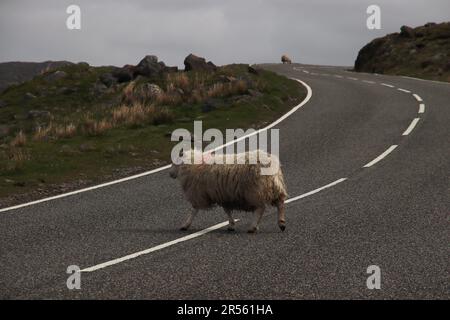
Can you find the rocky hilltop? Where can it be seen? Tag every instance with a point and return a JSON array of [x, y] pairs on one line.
[[18, 72], [422, 52]]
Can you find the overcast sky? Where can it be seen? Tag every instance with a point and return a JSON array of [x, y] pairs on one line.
[[118, 32]]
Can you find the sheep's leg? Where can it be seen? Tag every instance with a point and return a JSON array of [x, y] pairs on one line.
[[188, 222], [230, 220], [258, 216], [281, 215]]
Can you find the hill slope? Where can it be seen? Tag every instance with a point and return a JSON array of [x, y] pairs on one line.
[[18, 72], [422, 52]]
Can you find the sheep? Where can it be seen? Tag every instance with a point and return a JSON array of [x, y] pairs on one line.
[[236, 186], [285, 59]]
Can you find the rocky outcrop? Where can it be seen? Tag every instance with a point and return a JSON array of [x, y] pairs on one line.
[[195, 63], [420, 52]]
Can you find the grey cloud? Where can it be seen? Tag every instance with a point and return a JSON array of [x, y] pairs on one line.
[[119, 32]]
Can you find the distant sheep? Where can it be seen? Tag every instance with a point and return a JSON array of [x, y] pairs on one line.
[[233, 186], [285, 59]]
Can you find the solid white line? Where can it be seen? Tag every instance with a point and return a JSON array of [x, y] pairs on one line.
[[301, 104], [273, 124], [192, 235], [86, 189], [411, 127], [387, 85], [156, 248], [421, 108], [418, 98], [404, 90], [368, 81], [315, 190], [381, 156]]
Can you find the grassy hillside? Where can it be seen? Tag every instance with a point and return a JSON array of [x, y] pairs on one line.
[[66, 129], [422, 52]]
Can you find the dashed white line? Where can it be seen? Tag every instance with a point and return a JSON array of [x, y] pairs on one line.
[[368, 81], [381, 156], [418, 98], [387, 85], [352, 78], [411, 127], [338, 76], [421, 108], [192, 235], [404, 90]]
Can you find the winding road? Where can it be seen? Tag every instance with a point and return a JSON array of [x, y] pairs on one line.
[[366, 160]]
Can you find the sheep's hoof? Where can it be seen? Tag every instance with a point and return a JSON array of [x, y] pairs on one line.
[[230, 228], [252, 230], [183, 228], [282, 227]]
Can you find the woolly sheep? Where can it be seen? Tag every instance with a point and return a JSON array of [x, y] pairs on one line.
[[232, 186], [285, 59]]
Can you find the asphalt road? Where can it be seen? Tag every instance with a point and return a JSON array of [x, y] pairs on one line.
[[393, 214]]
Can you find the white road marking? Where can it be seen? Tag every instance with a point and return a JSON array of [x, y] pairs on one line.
[[368, 81], [156, 248], [325, 74], [434, 81], [381, 156], [352, 78], [314, 74], [192, 235], [421, 108], [338, 76], [305, 71], [387, 85], [301, 104], [404, 90], [315, 190], [418, 98], [411, 127]]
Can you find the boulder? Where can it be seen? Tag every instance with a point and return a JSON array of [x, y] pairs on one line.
[[108, 79], [29, 96], [122, 74], [55, 76], [149, 66], [195, 63], [407, 32], [151, 90], [253, 70]]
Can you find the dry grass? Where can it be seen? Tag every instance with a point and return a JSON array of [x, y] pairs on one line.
[[178, 80], [19, 140], [227, 89], [65, 131], [139, 114], [43, 133], [169, 98], [17, 158], [93, 127]]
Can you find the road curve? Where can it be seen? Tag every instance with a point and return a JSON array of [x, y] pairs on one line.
[[367, 170]]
